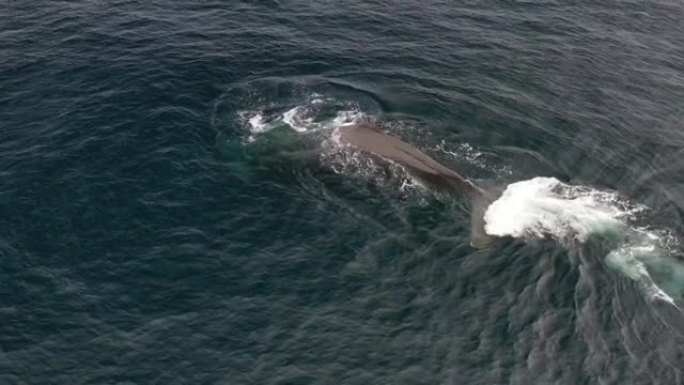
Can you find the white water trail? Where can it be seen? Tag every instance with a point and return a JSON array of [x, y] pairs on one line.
[[545, 207], [299, 119], [313, 114], [304, 119]]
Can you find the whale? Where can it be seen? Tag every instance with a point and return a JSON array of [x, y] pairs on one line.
[[370, 139]]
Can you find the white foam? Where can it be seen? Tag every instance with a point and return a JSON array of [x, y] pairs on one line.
[[303, 119], [628, 259], [347, 118], [298, 119], [318, 99], [312, 115], [257, 124], [545, 207]]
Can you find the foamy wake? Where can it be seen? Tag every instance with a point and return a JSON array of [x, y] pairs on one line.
[[316, 113], [545, 207]]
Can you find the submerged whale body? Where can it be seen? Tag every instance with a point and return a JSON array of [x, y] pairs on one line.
[[368, 138]]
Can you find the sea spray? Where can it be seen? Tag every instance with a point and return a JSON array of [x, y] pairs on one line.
[[545, 207]]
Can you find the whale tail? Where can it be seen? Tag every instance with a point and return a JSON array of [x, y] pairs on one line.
[[369, 138]]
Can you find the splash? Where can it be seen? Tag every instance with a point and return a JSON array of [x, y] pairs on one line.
[[545, 207], [305, 119], [316, 113], [256, 122]]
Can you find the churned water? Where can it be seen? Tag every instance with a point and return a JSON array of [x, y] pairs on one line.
[[176, 208]]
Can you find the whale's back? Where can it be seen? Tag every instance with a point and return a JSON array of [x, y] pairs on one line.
[[369, 138]]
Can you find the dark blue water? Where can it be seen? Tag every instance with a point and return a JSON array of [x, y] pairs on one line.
[[161, 224]]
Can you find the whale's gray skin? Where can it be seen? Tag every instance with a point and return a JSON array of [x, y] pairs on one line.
[[370, 139]]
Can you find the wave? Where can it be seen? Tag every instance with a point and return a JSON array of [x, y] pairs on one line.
[[545, 207]]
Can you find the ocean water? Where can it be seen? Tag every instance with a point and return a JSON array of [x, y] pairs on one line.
[[175, 207]]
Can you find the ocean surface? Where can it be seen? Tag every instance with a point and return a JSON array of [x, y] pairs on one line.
[[176, 207]]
